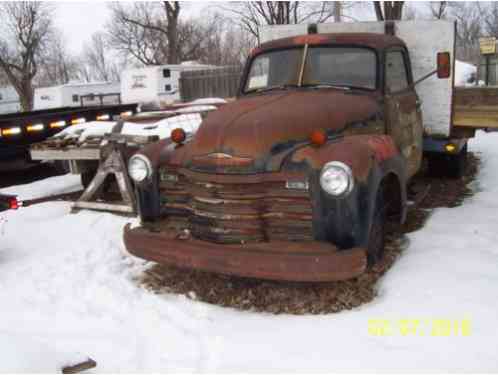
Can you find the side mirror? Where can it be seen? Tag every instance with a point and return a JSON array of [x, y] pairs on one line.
[[443, 65]]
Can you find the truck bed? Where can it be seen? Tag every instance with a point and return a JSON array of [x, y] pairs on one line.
[[475, 108]]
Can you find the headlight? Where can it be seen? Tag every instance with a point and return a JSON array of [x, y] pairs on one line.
[[139, 168], [336, 178]]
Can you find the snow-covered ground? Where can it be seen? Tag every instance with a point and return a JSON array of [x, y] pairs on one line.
[[465, 73], [67, 291]]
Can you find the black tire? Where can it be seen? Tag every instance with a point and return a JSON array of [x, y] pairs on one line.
[[452, 166], [61, 167], [457, 164], [377, 236], [87, 177]]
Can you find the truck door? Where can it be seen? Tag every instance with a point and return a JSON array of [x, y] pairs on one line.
[[403, 114]]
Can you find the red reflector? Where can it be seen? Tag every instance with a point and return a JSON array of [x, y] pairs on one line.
[[13, 204], [178, 135], [443, 65]]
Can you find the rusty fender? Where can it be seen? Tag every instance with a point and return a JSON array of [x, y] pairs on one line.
[[373, 159]]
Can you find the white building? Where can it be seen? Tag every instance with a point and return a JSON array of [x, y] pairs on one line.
[[159, 84], [9, 100], [69, 95]]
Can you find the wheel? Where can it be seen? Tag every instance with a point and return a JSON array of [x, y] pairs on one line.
[[452, 166], [87, 177], [377, 237], [457, 164], [61, 166]]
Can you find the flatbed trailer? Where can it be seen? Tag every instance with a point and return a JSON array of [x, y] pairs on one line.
[[97, 156], [20, 130]]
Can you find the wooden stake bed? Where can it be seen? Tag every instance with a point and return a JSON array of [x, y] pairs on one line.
[[476, 107], [111, 152]]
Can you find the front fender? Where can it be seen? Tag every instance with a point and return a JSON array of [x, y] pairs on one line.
[[372, 159]]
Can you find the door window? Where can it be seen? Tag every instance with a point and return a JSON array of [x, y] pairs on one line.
[[396, 74]]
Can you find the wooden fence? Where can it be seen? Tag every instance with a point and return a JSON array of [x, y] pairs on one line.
[[217, 82]]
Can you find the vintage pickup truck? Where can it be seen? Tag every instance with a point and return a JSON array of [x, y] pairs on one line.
[[299, 177]]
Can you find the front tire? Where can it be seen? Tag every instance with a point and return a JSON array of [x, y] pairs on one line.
[[377, 236], [61, 167]]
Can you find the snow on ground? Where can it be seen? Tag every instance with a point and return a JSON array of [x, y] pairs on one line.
[[464, 73], [43, 188], [67, 290]]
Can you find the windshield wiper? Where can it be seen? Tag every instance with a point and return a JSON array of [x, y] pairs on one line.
[[326, 85]]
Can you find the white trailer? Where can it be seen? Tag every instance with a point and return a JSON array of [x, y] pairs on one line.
[[9, 100], [155, 85], [69, 95]]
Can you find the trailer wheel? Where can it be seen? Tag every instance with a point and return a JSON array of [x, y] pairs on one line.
[[87, 177], [61, 166], [377, 237]]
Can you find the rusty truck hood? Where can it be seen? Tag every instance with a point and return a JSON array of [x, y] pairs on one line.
[[243, 135]]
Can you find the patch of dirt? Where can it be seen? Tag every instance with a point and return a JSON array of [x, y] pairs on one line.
[[310, 298]]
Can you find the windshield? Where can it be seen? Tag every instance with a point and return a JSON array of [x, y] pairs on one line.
[[353, 67]]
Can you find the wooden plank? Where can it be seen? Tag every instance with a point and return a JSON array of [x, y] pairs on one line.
[[476, 121], [476, 107], [79, 367], [66, 154], [101, 206]]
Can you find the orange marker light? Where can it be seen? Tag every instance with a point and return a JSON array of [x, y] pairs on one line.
[[318, 137], [11, 131], [35, 128], [178, 135]]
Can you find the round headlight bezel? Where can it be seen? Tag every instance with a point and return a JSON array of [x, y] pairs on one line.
[[338, 167], [146, 163]]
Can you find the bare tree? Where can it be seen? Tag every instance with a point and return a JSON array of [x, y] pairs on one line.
[[410, 12], [489, 15], [438, 9], [149, 32], [24, 29], [469, 29], [99, 62], [388, 10], [251, 15], [56, 64], [226, 44]]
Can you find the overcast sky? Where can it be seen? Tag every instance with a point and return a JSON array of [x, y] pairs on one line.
[[78, 20]]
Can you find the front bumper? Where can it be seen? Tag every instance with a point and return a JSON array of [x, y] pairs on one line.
[[277, 260]]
